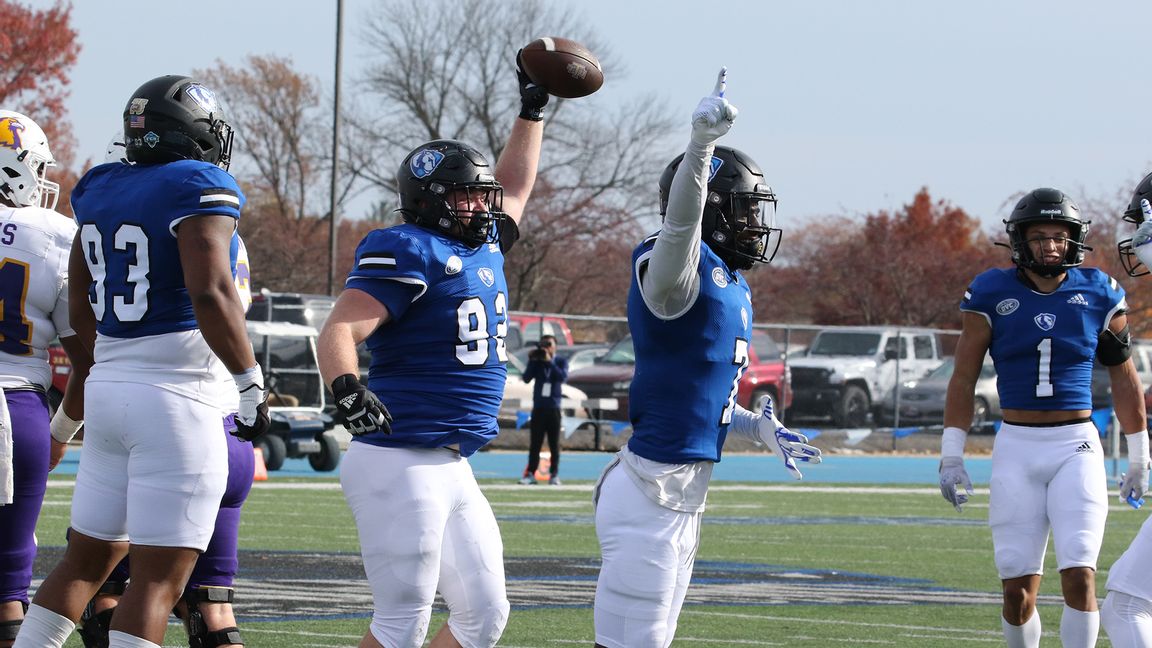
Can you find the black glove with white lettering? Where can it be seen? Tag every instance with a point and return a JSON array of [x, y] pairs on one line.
[[363, 413]]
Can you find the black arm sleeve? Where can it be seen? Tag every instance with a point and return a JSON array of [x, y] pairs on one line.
[[1114, 349]]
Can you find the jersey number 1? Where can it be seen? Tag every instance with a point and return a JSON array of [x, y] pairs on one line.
[[1044, 370]]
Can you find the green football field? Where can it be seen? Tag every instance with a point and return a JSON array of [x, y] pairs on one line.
[[780, 565]]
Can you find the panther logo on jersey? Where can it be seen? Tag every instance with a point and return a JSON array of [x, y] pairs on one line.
[[1045, 321], [10, 129], [454, 265], [718, 278], [487, 276], [425, 162]]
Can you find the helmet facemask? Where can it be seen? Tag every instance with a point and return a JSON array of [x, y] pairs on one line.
[[1128, 259], [1074, 250], [471, 213], [740, 227]]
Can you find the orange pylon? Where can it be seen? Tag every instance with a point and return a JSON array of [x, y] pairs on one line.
[[261, 473]]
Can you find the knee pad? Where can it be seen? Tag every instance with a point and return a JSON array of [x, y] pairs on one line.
[[199, 636], [93, 627]]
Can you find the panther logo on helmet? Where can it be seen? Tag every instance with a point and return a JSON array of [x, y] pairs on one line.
[[203, 97], [10, 129], [715, 168], [425, 162]]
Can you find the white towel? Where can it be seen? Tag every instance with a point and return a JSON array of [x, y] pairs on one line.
[[6, 485]]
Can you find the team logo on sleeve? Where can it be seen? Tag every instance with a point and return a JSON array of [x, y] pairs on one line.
[[425, 162], [1006, 307], [487, 276], [10, 129], [454, 265], [718, 277], [1045, 321], [744, 317], [715, 164]]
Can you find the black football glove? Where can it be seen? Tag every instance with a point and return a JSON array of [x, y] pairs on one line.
[[533, 97], [363, 413]]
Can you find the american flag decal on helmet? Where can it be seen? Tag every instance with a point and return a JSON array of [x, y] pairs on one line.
[[219, 197], [377, 261]]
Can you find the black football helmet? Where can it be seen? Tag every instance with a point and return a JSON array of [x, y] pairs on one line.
[[173, 118], [739, 211], [1046, 206], [1134, 214], [444, 180]]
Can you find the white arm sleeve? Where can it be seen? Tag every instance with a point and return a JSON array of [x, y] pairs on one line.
[[670, 283]]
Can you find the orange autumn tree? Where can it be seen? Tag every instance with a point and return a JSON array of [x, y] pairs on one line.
[[907, 267], [39, 49]]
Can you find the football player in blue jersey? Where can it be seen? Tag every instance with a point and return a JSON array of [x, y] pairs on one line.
[[1043, 322], [34, 244], [1126, 612], [690, 314], [152, 274], [430, 298]]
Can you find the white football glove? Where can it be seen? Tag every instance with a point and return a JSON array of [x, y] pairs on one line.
[[1143, 236], [714, 115], [788, 445], [953, 477], [252, 419], [1134, 483]]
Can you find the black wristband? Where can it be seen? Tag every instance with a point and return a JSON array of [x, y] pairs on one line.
[[345, 382]]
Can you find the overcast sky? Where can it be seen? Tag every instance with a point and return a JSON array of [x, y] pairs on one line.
[[849, 105]]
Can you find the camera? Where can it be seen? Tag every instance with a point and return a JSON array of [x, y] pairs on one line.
[[538, 353]]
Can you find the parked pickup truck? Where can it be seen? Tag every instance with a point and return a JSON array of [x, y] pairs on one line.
[[845, 370]]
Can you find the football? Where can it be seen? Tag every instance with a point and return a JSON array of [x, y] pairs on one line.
[[561, 66]]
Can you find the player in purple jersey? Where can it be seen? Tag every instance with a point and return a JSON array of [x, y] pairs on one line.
[[1126, 612], [34, 243], [430, 299], [1043, 322], [151, 273], [690, 313]]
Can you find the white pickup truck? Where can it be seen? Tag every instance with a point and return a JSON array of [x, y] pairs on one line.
[[845, 369]]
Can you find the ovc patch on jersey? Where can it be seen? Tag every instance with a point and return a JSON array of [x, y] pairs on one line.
[[453, 265], [487, 276], [203, 97], [1007, 307], [1045, 321], [719, 278], [425, 162], [715, 164]]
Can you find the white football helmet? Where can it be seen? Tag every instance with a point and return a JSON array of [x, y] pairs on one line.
[[116, 151], [24, 161]]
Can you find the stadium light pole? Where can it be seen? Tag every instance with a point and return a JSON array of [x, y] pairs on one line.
[[335, 153]]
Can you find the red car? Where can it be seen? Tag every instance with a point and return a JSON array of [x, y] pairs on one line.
[[61, 369], [611, 377]]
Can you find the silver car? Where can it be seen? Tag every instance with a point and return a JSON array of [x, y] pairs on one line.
[[922, 401]]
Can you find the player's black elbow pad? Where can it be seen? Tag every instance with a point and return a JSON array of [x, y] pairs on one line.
[[1114, 349]]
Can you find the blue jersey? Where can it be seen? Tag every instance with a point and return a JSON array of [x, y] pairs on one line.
[[683, 393], [438, 364], [1043, 344], [127, 217]]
